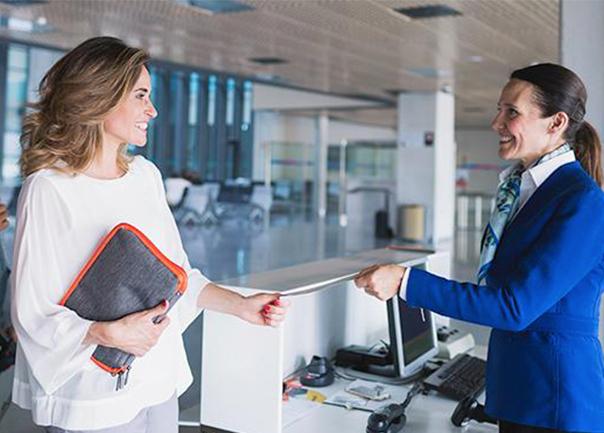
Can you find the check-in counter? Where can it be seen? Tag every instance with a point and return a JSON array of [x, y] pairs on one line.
[[243, 366]]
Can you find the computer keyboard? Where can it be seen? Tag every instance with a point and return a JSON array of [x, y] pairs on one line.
[[460, 377]]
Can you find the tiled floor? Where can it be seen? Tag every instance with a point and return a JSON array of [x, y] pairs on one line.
[[239, 247]]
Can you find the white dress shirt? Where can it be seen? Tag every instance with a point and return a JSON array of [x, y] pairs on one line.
[[531, 179], [60, 220]]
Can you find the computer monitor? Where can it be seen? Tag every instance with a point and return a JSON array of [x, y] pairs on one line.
[[412, 337]]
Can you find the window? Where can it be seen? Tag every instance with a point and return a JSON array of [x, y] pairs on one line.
[[16, 96], [192, 155], [204, 123]]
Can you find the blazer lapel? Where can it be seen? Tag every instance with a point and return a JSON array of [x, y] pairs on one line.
[[543, 197]]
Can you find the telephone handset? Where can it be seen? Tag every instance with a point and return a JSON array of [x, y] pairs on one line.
[[469, 409], [387, 419]]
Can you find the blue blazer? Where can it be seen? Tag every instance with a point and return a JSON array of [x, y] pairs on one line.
[[542, 297]]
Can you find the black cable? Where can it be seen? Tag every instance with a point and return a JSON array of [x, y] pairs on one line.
[[417, 388]]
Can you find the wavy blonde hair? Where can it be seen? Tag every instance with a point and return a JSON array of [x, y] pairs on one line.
[[65, 129]]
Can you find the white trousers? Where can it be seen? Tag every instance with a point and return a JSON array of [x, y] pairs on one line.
[[162, 418]]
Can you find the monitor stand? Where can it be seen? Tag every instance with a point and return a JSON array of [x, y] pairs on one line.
[[381, 370]]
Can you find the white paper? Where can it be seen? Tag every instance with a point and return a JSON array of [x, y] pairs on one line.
[[341, 398], [314, 287]]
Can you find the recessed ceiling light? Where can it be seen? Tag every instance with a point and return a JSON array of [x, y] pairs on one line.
[[268, 60], [432, 11], [219, 6], [271, 77], [23, 2], [23, 25]]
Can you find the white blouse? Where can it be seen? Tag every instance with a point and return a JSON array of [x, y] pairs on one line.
[[60, 220]]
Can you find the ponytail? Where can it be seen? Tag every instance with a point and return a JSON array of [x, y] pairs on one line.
[[558, 89], [587, 148]]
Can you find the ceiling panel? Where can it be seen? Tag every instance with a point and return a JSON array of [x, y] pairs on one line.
[[335, 46]]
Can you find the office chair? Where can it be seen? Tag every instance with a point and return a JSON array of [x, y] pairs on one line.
[[198, 205], [261, 201], [175, 191]]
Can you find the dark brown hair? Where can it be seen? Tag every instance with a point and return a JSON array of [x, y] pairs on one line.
[[65, 129], [558, 89]]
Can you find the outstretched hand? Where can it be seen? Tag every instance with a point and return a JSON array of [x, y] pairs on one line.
[[264, 309], [381, 281]]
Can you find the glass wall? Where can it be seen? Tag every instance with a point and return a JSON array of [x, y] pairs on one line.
[[204, 128], [14, 108], [292, 172], [359, 169]]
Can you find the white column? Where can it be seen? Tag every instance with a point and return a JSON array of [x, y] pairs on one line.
[[581, 42], [581, 37], [321, 165], [426, 172], [342, 178]]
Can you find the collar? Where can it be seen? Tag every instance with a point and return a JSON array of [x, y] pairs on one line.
[[508, 171], [542, 171]]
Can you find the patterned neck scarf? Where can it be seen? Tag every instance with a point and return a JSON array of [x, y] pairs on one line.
[[506, 205]]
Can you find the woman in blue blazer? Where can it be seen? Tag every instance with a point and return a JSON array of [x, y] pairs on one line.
[[542, 263]]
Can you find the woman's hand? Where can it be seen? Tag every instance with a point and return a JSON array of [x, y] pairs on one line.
[[381, 281], [259, 309], [136, 333], [263, 309]]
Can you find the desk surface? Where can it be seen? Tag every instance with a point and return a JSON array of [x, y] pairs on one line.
[[243, 366], [426, 414], [323, 271]]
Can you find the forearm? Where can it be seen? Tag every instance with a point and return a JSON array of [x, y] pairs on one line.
[[216, 298], [497, 307], [100, 333]]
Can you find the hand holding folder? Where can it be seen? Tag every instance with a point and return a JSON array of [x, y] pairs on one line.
[[138, 332]]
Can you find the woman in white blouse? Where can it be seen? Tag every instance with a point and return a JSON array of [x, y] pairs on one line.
[[79, 184]]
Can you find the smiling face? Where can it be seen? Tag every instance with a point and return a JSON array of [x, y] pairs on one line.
[[524, 134], [129, 122]]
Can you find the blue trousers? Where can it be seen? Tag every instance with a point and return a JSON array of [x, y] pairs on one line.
[[509, 427]]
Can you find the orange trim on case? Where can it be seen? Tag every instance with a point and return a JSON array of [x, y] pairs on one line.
[[178, 271], [108, 369]]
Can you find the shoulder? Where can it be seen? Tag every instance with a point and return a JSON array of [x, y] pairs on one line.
[[141, 165], [43, 182], [579, 194], [148, 172], [43, 196], [580, 185]]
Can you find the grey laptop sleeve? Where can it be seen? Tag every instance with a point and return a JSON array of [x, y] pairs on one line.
[[125, 274]]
